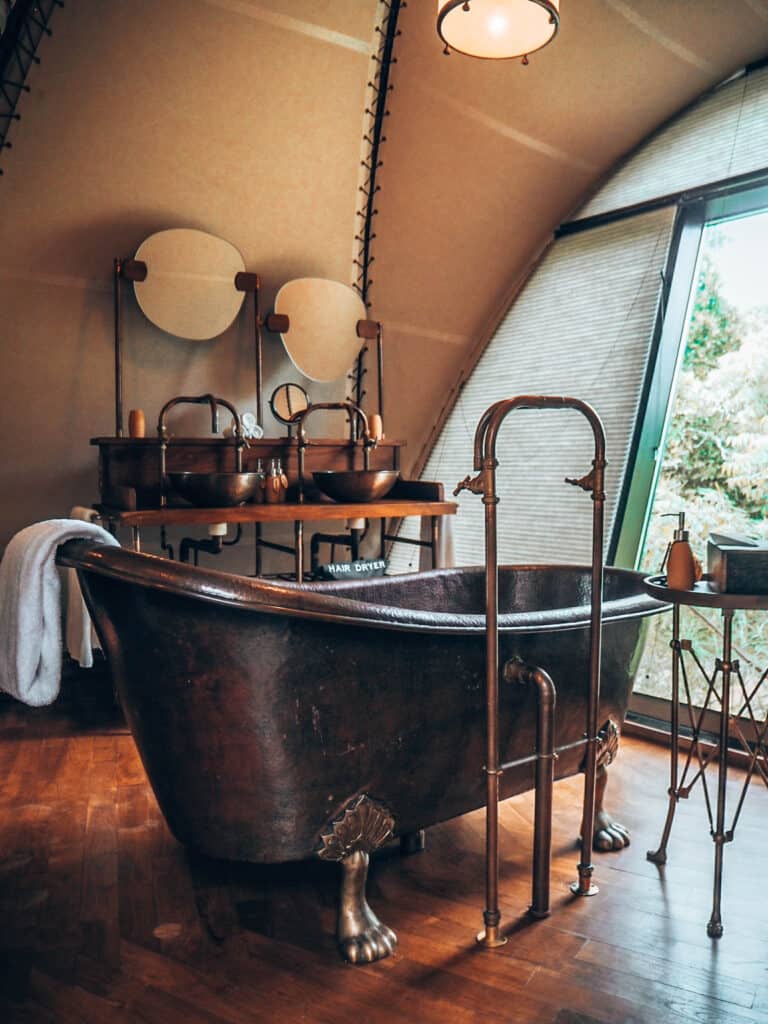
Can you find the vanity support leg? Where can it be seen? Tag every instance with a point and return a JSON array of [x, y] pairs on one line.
[[354, 544], [257, 566], [435, 536], [298, 528]]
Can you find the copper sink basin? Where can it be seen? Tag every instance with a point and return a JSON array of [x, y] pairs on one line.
[[215, 490], [356, 484]]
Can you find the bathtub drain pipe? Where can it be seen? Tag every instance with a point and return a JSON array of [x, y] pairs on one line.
[[516, 671]]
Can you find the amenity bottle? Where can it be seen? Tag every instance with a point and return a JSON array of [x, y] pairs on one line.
[[681, 565]]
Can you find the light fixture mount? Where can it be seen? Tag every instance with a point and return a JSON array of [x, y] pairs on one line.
[[497, 29]]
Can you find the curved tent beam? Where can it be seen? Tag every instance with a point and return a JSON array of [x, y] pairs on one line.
[[26, 25]]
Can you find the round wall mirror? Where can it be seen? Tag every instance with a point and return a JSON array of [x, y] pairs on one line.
[[287, 400], [322, 340], [189, 290]]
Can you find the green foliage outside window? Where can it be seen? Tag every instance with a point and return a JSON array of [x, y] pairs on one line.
[[714, 466]]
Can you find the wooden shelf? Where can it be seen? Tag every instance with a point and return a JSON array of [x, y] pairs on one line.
[[281, 513]]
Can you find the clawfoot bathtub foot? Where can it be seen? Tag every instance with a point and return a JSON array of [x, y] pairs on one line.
[[361, 935], [363, 825], [608, 834]]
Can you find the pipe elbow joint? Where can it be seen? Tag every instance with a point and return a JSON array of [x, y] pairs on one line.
[[517, 671]]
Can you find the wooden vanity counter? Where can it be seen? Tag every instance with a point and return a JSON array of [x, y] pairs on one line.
[[298, 514], [129, 467], [286, 512], [129, 485]]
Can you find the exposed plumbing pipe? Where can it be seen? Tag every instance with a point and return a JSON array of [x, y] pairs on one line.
[[516, 671], [484, 483], [213, 545]]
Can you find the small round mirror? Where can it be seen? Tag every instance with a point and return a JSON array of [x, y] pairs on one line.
[[322, 340], [189, 290], [287, 400]]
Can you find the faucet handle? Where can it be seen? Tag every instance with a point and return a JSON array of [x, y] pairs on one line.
[[591, 481], [474, 484], [586, 482]]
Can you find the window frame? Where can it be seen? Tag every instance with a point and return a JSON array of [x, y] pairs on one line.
[[665, 355]]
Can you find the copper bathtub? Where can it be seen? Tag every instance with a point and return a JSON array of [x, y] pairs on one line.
[[277, 722]]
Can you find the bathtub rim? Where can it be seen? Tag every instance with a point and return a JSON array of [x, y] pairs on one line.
[[317, 601]]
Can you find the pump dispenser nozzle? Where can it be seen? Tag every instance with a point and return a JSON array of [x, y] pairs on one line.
[[680, 533]]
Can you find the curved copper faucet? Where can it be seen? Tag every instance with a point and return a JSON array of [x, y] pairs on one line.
[[214, 402], [353, 411], [484, 483]]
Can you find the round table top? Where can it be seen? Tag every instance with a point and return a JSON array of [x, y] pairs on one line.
[[703, 595]]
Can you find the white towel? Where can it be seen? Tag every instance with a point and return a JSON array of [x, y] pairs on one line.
[[30, 608], [79, 635]]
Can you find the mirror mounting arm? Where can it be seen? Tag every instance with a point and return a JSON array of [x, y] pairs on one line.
[[132, 270], [278, 323]]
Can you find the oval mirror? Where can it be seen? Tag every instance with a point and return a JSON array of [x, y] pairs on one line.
[[286, 400], [322, 340], [189, 290]]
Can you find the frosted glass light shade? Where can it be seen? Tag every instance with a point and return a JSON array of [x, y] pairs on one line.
[[497, 29]]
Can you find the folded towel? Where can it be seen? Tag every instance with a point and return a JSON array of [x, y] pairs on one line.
[[30, 608], [79, 635]]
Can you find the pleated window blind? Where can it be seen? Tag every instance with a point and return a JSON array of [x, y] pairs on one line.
[[722, 136], [581, 327]]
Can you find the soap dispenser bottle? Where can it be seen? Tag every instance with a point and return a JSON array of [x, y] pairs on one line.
[[681, 565], [276, 483]]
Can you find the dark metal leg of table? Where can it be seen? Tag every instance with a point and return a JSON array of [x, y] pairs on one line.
[[298, 529], [354, 543], [257, 545], [719, 837], [659, 855]]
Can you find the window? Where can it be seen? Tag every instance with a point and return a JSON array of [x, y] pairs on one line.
[[606, 317], [710, 448]]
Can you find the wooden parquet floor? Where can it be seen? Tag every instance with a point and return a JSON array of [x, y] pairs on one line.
[[105, 918]]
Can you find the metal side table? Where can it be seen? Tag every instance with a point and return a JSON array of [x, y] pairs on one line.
[[726, 687]]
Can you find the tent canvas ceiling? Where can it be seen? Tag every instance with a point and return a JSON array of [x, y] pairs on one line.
[[246, 119]]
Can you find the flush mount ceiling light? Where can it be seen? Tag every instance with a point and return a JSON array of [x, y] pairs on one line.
[[497, 29]]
